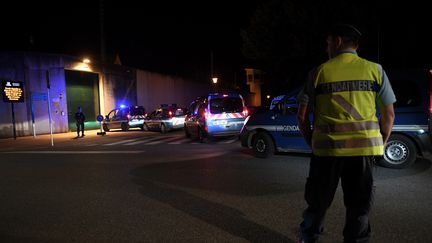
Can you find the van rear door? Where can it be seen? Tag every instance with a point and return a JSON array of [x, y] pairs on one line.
[[225, 114]]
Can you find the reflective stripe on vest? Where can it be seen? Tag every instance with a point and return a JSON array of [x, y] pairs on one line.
[[347, 127], [349, 143], [347, 107], [345, 123]]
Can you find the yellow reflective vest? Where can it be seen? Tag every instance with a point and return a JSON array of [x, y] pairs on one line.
[[345, 122]]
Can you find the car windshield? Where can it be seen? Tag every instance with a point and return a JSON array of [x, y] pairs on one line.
[[226, 104]]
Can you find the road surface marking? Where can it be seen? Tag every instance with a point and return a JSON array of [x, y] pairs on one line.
[[76, 152], [120, 142]]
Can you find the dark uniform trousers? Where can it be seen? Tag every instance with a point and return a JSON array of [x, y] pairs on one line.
[[356, 177], [80, 127]]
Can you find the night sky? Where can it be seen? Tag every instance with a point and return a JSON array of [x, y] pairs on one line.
[[167, 36], [177, 37]]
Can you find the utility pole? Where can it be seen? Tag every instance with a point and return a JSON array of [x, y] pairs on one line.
[[102, 31], [211, 64]]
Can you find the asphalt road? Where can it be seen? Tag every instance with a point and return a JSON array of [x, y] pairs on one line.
[[148, 187]]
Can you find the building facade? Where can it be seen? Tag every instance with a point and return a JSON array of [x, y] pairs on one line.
[[55, 85]]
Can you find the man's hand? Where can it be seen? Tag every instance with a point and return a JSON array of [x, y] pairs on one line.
[[304, 123], [386, 121]]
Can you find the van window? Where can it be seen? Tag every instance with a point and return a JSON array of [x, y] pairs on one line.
[[226, 104], [134, 111], [406, 95]]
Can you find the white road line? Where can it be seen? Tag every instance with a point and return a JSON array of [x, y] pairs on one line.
[[142, 141], [77, 152], [163, 140], [120, 142]]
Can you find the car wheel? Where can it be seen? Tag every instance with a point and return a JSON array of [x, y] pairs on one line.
[[124, 126], [262, 145], [105, 128], [163, 128], [187, 133], [399, 152]]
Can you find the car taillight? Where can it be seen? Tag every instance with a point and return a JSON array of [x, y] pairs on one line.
[[170, 113], [430, 91], [128, 116], [206, 114], [430, 102], [245, 112]]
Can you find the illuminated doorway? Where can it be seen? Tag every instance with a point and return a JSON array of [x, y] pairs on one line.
[[82, 89]]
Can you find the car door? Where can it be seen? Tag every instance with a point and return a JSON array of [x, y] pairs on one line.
[[191, 121], [109, 121], [155, 119], [286, 133], [116, 119]]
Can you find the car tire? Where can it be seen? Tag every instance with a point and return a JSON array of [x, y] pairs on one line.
[[399, 152], [105, 128], [124, 126], [262, 145], [163, 128]]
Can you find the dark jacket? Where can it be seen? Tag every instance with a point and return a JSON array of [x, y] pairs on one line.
[[79, 117]]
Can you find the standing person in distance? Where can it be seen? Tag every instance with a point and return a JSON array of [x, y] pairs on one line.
[[80, 118], [343, 94]]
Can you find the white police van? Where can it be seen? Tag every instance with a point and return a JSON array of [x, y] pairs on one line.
[[215, 115], [277, 130]]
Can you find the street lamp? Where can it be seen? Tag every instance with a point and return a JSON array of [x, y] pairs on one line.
[[214, 83]]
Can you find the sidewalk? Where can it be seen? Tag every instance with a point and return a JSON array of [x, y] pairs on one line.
[[44, 140]]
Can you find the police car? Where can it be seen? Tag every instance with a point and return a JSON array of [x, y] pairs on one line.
[[124, 117], [277, 130], [165, 118]]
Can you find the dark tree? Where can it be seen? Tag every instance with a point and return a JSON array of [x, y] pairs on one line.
[[286, 38]]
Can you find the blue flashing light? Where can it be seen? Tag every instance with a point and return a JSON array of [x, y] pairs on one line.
[[122, 106]]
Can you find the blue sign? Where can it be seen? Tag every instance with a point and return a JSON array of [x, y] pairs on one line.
[[99, 118]]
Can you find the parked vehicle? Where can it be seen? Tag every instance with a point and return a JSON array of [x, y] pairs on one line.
[[165, 118], [217, 114], [124, 117], [277, 130]]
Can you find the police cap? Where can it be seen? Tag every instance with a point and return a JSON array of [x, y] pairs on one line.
[[345, 30]]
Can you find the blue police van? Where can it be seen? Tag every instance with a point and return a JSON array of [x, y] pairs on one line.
[[277, 130]]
